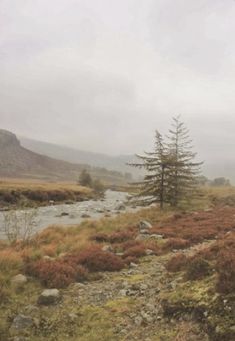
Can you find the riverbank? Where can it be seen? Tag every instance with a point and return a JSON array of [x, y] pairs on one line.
[[70, 214], [28, 193]]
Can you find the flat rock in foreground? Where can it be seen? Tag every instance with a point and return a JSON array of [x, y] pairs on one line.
[[49, 296]]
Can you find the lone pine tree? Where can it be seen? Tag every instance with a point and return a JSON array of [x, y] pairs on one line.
[[183, 172], [153, 189], [170, 170]]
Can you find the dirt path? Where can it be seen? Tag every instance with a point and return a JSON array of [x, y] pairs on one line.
[[134, 296]]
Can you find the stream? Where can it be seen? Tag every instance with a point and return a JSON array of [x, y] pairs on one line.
[[72, 214]]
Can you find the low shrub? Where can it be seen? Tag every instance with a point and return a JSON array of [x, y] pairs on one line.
[[121, 236], [100, 237], [135, 251], [115, 237], [130, 259], [81, 273], [94, 259], [176, 244], [197, 268], [49, 250], [226, 272], [177, 263], [10, 260], [129, 244], [52, 274]]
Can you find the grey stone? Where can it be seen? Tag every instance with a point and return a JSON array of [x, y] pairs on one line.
[[149, 252], [123, 292], [138, 320], [156, 236], [120, 207], [63, 214], [84, 215], [144, 231], [21, 322], [47, 257], [143, 286], [72, 316], [49, 296], [144, 224], [19, 279]]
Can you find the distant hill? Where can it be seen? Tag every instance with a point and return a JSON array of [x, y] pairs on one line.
[[117, 163], [18, 161], [212, 167]]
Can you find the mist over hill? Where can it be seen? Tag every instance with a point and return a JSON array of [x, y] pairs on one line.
[[117, 163], [213, 167]]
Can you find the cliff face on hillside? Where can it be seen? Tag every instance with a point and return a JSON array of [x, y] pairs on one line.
[[20, 162]]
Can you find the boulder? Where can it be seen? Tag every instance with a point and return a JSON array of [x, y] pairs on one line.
[[19, 279], [21, 322], [143, 225], [63, 214], [120, 207], [49, 296]]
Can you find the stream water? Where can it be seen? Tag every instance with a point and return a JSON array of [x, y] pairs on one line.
[[72, 214]]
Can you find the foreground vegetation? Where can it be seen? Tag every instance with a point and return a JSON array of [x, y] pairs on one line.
[[16, 193], [119, 283]]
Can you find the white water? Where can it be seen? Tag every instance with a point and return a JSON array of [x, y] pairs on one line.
[[51, 215]]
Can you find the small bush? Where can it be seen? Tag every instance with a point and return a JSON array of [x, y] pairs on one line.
[[176, 263], [94, 259], [128, 260], [197, 268], [81, 273], [115, 237], [100, 237], [52, 274], [226, 272], [135, 251], [121, 236], [50, 250], [129, 244], [10, 260], [176, 244]]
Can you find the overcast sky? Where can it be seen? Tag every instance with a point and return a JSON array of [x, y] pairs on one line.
[[102, 75]]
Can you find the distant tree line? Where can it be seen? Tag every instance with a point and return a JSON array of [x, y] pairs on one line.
[[217, 182]]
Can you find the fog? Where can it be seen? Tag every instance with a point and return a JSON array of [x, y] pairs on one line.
[[102, 75]]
